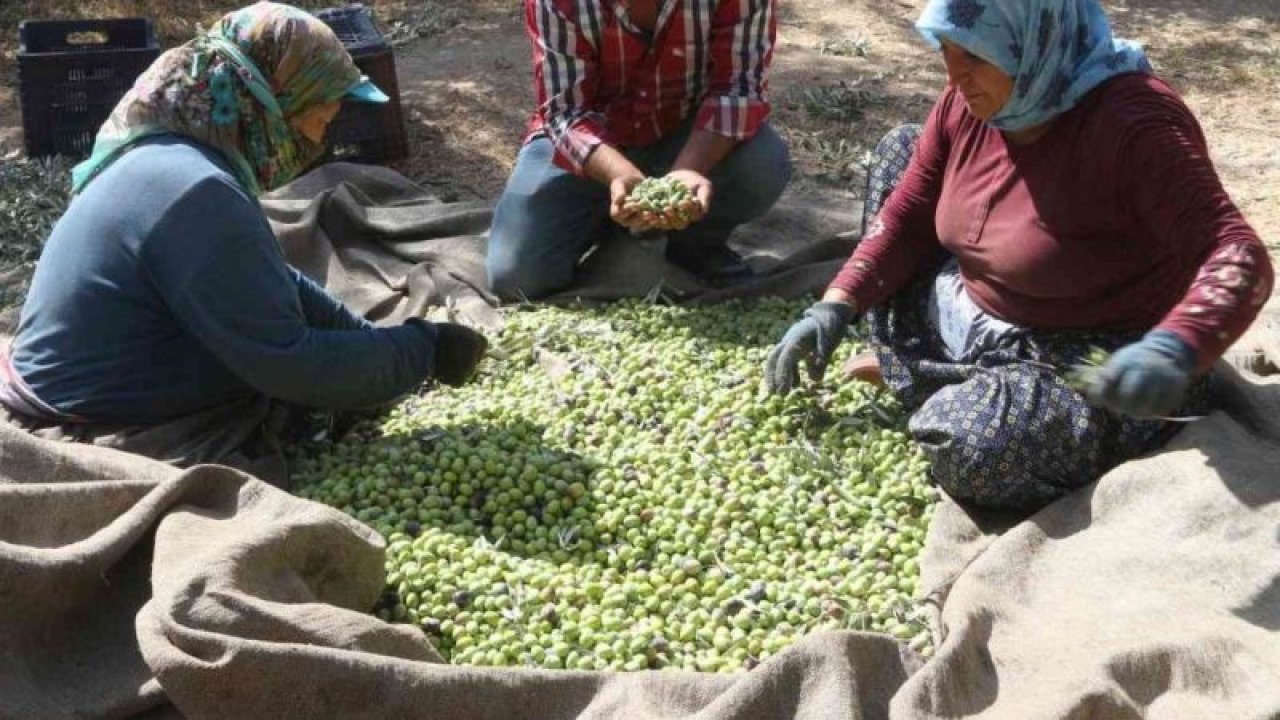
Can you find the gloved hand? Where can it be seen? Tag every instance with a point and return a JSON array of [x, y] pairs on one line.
[[459, 350], [814, 338], [1148, 378]]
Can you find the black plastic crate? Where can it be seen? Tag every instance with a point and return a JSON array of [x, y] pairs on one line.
[[366, 132], [71, 74]]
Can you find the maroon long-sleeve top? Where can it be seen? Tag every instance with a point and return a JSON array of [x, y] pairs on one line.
[[1115, 219]]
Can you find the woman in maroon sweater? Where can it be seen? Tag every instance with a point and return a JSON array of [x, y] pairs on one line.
[[1059, 197]]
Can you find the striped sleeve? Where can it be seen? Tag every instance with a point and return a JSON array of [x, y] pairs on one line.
[[565, 35], [743, 34]]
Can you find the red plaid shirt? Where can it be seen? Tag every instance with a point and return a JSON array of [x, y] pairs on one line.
[[600, 79]]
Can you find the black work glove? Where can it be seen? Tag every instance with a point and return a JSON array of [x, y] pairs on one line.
[[459, 350], [814, 338]]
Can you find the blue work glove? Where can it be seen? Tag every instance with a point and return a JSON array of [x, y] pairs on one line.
[[1148, 378], [814, 338]]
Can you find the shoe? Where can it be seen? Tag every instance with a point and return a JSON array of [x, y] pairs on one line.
[[717, 265], [864, 367], [459, 350]]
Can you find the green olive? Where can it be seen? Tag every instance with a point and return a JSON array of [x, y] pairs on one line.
[[649, 507]]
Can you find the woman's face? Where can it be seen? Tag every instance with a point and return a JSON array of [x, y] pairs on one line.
[[985, 87], [314, 121]]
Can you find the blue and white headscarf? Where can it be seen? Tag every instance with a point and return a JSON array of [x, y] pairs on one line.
[[1055, 50]]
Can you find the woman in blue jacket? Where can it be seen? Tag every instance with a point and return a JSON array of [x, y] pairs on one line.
[[162, 292]]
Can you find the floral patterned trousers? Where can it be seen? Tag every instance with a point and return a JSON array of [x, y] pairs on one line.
[[1003, 429]]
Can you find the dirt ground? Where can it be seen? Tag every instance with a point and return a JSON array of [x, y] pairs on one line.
[[845, 72]]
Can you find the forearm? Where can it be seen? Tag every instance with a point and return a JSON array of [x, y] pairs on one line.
[[703, 151], [834, 294], [1227, 294], [881, 265], [322, 310], [606, 164], [339, 369]]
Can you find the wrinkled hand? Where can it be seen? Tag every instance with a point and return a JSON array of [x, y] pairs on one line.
[[813, 339], [1148, 378], [459, 350]]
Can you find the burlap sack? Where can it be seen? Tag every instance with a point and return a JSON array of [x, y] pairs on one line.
[[129, 589]]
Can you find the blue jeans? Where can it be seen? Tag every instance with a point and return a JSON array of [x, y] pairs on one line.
[[547, 218]]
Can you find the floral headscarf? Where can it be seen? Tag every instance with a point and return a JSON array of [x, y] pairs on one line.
[[235, 89], [1055, 50]]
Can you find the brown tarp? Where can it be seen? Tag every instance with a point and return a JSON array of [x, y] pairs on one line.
[[129, 589]]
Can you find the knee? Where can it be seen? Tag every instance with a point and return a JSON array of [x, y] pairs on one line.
[[520, 262], [962, 466], [902, 137], [543, 222], [777, 168], [514, 272], [763, 169], [505, 279], [979, 458]]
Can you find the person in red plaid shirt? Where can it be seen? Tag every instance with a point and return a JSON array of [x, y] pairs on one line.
[[634, 88]]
